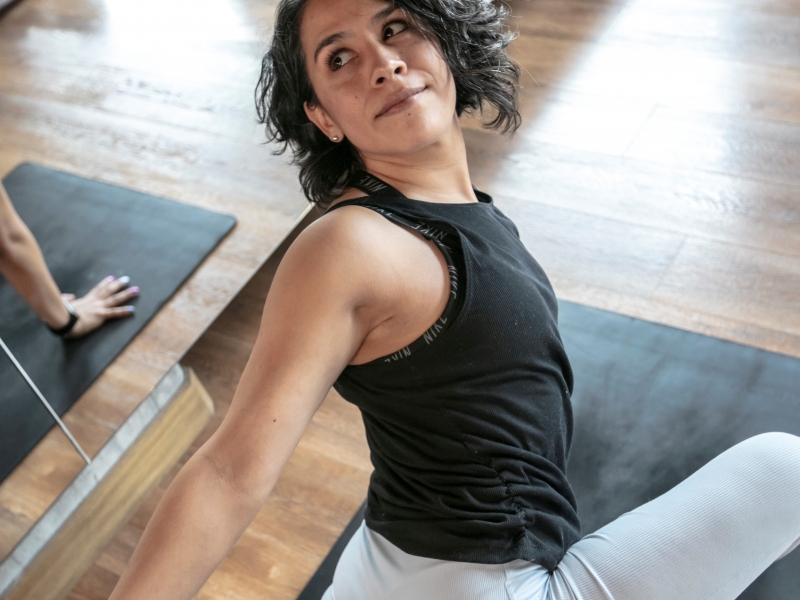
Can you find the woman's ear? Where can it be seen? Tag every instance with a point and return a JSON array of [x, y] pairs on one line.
[[323, 121]]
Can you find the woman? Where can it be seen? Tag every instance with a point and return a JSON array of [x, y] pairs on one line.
[[414, 296], [23, 266]]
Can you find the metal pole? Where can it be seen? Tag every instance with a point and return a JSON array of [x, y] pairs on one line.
[[45, 402]]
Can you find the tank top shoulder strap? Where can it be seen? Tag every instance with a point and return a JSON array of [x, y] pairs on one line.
[[374, 187], [376, 191], [371, 186]]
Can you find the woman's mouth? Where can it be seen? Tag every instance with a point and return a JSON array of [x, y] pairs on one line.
[[400, 101]]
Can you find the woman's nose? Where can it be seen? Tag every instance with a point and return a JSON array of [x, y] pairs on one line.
[[387, 66]]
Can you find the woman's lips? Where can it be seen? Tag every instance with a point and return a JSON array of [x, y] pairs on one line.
[[400, 101]]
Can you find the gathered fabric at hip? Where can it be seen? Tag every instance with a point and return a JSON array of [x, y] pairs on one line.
[[708, 538]]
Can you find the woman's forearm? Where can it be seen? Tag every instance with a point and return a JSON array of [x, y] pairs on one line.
[[194, 526], [23, 266]]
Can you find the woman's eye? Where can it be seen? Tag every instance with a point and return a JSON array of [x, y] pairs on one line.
[[339, 59], [394, 28]]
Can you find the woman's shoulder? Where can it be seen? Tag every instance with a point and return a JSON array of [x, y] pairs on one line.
[[361, 241], [354, 243], [334, 261]]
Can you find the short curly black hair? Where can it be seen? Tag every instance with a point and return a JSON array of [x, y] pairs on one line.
[[473, 41]]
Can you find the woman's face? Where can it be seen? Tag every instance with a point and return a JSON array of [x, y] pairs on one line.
[[379, 82]]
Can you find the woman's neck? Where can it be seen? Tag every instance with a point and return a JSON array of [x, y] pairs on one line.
[[437, 173]]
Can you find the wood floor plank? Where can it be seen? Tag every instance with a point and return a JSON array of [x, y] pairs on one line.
[[600, 123], [578, 246], [743, 33], [736, 283], [670, 77], [748, 31], [699, 320], [221, 108], [780, 7], [757, 148], [220, 42], [166, 161], [732, 209], [566, 19]]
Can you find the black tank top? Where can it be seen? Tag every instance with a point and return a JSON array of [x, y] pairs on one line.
[[469, 426]]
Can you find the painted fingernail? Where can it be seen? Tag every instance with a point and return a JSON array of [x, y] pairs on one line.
[[131, 308], [124, 279], [110, 278], [135, 289]]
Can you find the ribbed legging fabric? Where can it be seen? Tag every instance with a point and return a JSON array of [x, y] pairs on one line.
[[708, 538]]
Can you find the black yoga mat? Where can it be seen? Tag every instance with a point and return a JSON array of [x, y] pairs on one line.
[[87, 231], [653, 404]]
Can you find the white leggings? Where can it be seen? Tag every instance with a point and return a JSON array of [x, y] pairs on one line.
[[708, 538]]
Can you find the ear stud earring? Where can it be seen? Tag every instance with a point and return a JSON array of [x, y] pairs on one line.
[[335, 138]]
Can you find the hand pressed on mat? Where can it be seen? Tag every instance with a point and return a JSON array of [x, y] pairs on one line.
[[101, 304]]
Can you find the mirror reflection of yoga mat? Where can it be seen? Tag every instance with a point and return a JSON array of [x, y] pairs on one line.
[[652, 404], [88, 230]]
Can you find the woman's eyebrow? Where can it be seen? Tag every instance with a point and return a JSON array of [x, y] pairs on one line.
[[340, 35], [331, 39]]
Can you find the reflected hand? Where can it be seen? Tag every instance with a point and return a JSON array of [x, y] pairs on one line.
[[100, 304]]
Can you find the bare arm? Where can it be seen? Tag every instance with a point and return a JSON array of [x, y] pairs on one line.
[[23, 266], [313, 323]]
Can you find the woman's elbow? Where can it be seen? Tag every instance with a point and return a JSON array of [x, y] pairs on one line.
[[13, 238], [231, 478]]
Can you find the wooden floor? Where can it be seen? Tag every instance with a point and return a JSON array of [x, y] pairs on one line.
[[657, 174]]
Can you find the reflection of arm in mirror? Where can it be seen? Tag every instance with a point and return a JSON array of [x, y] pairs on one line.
[[320, 307], [23, 266]]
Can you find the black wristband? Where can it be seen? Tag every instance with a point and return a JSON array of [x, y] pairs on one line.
[[73, 318]]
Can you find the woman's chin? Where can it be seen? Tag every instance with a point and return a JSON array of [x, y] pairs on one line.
[[412, 135]]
